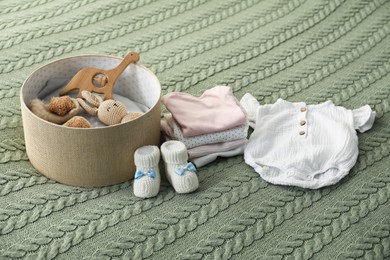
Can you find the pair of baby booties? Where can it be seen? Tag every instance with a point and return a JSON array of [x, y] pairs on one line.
[[179, 172]]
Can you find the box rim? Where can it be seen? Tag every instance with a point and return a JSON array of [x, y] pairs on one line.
[[93, 128]]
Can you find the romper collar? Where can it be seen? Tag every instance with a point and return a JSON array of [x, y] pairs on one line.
[[303, 104]]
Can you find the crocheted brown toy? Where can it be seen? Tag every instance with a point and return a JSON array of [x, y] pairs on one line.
[[109, 112], [58, 111], [61, 105], [78, 122]]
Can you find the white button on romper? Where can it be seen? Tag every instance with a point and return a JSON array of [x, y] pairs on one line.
[[309, 146]]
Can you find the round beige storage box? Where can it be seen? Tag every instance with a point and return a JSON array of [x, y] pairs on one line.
[[95, 156]]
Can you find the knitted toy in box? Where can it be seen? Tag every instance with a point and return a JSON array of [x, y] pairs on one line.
[[78, 122], [109, 112], [58, 111], [61, 105]]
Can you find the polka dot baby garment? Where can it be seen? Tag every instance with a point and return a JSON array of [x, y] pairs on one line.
[[174, 132], [309, 146]]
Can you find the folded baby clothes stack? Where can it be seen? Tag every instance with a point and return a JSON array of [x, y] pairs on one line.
[[212, 125]]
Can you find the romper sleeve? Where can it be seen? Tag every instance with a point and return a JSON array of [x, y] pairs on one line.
[[363, 118], [250, 105]]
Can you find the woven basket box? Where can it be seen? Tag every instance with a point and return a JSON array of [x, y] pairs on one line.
[[95, 156]]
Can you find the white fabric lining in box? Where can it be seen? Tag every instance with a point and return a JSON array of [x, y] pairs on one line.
[[136, 82]]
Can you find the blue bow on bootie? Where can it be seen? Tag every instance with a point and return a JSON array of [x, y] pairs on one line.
[[189, 167], [139, 174]]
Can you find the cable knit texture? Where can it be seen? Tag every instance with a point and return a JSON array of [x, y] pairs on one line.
[[296, 50]]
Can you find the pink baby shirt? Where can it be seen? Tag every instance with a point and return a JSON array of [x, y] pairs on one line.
[[309, 146], [215, 110]]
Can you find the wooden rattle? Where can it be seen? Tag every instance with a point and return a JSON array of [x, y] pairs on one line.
[[83, 80]]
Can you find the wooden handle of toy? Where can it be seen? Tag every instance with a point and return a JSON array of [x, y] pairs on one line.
[[83, 80], [113, 74]]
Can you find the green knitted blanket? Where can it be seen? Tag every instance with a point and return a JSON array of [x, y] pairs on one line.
[[299, 50]]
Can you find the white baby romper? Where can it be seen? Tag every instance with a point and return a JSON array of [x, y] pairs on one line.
[[309, 146]]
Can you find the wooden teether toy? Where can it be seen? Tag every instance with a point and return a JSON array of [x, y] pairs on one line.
[[84, 79]]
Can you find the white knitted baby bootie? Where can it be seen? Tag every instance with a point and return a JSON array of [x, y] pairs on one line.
[[180, 173], [147, 175]]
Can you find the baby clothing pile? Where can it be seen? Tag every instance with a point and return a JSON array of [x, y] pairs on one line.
[[214, 124]]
